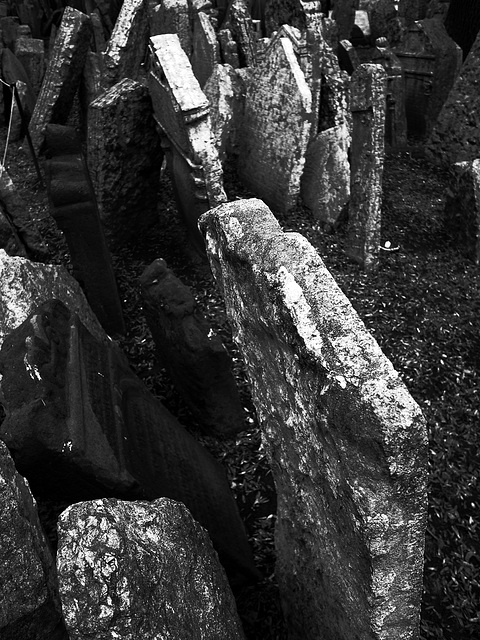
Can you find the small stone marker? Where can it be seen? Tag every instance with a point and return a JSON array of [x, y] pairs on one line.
[[81, 425], [367, 103], [206, 51], [63, 73], [124, 157], [276, 128], [346, 441], [29, 601], [462, 208], [325, 186], [173, 16], [182, 112], [74, 208], [141, 566], [192, 354]]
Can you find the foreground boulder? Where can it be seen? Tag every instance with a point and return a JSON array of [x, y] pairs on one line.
[[141, 570], [29, 601]]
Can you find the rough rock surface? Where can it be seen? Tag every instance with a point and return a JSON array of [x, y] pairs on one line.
[[29, 601], [131, 570], [346, 441]]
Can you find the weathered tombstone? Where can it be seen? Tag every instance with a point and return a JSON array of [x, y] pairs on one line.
[[173, 16], [456, 135], [325, 185], [111, 555], [93, 83], [344, 15], [239, 22], [367, 103], [462, 208], [192, 354], [81, 425], [13, 71], [30, 52], [431, 61], [8, 29], [348, 58], [124, 157], [296, 13], [412, 10], [99, 43], [228, 48], [29, 601], [74, 209], [346, 441], [182, 112], [276, 128], [63, 73], [439, 9], [206, 52], [385, 21], [330, 87]]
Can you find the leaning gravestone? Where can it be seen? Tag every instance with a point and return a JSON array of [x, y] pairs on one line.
[[193, 355], [173, 16], [239, 22], [81, 425], [346, 441], [63, 73], [141, 566], [29, 601], [276, 128], [206, 52], [367, 103]]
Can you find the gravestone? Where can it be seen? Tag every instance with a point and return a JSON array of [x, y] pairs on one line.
[[346, 442], [13, 71], [412, 10], [228, 48], [124, 157], [239, 22], [8, 29], [111, 555], [296, 13], [29, 601], [462, 208], [276, 128], [348, 58], [99, 42], [456, 136], [206, 51], [190, 351], [182, 112], [367, 102], [174, 16], [325, 186], [63, 73], [344, 15], [74, 209], [30, 52], [385, 21], [330, 87], [81, 425]]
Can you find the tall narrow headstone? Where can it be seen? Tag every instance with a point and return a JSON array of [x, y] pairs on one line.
[[30, 52], [462, 208], [276, 128], [173, 16], [367, 103], [346, 441], [206, 52], [63, 73]]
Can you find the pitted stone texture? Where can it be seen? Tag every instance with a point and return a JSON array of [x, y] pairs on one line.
[[29, 602], [367, 103], [325, 186], [124, 158], [24, 285], [141, 570], [462, 208], [276, 128], [174, 16], [346, 441], [206, 51], [63, 73], [239, 23], [456, 134]]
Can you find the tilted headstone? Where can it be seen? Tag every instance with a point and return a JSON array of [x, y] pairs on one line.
[[346, 441], [63, 73], [431, 61], [325, 186], [174, 16], [276, 128], [13, 71], [239, 22], [456, 136], [81, 425], [367, 102], [147, 567], [73, 207], [206, 51], [124, 157], [24, 285], [30, 52], [462, 208], [29, 601], [190, 351], [228, 48], [182, 112], [395, 115]]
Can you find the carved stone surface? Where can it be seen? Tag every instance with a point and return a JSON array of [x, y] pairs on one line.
[[173, 16], [29, 601], [81, 425], [63, 73], [276, 128], [74, 208], [367, 102], [30, 52], [325, 186], [462, 208], [456, 135], [239, 22], [124, 157], [206, 51], [142, 568], [192, 354], [346, 441], [24, 285]]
